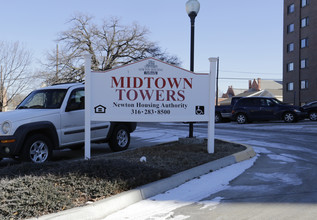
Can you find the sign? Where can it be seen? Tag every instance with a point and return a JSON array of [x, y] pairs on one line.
[[149, 91]]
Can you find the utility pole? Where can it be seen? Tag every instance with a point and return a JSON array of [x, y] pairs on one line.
[[217, 92], [56, 61]]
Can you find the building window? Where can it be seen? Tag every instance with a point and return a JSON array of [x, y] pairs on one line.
[[290, 86], [303, 63], [290, 28], [290, 67], [291, 8], [304, 22], [304, 3], [303, 42], [304, 84], [290, 47]]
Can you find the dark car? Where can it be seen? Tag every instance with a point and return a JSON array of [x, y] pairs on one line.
[[223, 112], [265, 109], [311, 109]]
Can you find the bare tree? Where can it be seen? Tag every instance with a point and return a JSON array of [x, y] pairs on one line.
[[110, 44], [14, 75]]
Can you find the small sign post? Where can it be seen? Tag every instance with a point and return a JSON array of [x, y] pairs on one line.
[[212, 94], [87, 105]]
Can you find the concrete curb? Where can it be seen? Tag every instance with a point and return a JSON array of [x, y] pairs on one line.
[[102, 208]]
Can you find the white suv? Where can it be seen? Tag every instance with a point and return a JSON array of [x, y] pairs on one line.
[[53, 118]]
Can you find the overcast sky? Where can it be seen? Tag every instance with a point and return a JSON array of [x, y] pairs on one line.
[[246, 35]]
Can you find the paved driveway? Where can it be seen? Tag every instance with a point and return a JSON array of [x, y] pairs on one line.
[[281, 183]]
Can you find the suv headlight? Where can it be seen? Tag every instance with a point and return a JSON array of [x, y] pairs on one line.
[[6, 127]]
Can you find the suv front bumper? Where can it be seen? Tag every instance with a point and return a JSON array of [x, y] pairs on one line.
[[8, 146], [301, 115]]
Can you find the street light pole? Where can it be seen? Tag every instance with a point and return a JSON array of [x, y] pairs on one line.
[[192, 9]]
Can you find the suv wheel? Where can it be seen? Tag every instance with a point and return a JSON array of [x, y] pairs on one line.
[[218, 118], [120, 138], [241, 118], [289, 117], [313, 116], [37, 149]]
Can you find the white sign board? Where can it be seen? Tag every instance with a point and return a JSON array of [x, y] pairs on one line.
[[149, 91]]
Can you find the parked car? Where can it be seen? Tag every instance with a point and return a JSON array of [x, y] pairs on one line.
[[53, 118], [223, 112], [311, 110], [264, 109]]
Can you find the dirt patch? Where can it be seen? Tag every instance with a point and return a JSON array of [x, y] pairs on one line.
[[31, 190]]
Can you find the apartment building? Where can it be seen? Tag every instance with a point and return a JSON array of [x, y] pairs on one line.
[[300, 51]]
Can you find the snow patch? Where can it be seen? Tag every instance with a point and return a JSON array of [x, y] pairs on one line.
[[210, 204], [257, 188], [188, 193], [281, 158], [290, 179], [261, 150]]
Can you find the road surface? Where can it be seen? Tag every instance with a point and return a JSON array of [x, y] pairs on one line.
[[280, 183]]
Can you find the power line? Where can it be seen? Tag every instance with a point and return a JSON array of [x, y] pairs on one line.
[[248, 78], [232, 71], [245, 72]]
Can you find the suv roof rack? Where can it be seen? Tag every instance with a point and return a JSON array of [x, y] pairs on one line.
[[56, 84]]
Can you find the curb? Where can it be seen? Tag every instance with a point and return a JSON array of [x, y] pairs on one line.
[[102, 208]]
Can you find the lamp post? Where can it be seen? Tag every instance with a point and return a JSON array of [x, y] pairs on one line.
[[192, 9]]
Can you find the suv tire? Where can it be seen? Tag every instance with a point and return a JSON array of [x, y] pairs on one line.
[[241, 118], [37, 149], [289, 117], [120, 138], [313, 116], [218, 118]]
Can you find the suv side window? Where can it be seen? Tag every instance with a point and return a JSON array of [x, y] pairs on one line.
[[264, 102], [270, 103], [256, 102], [76, 100], [249, 102]]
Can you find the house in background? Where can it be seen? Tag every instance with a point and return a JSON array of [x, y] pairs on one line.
[[232, 92], [259, 87]]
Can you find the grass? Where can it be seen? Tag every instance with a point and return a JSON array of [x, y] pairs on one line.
[[31, 190]]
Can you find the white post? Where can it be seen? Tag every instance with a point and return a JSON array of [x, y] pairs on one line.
[[87, 105], [212, 98]]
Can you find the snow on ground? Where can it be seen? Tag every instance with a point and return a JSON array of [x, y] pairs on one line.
[[156, 136], [290, 179], [299, 126], [161, 206], [255, 143], [282, 159]]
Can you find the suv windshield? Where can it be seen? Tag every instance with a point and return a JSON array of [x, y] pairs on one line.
[[276, 101], [44, 99]]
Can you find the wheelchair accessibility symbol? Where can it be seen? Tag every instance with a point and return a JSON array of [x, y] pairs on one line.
[[200, 110]]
